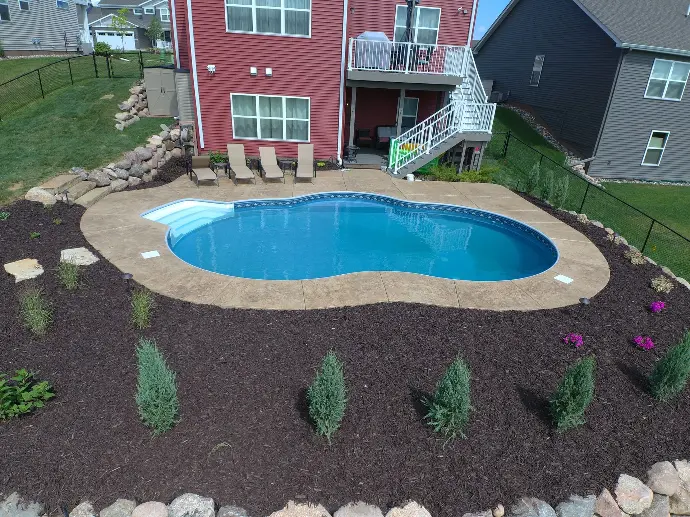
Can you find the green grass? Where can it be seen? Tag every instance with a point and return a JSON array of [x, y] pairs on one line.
[[72, 127], [506, 119], [11, 68]]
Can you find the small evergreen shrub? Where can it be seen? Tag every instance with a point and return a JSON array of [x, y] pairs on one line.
[[560, 193], [218, 157], [4, 216], [102, 49], [672, 371], [57, 221], [533, 179], [635, 257], [142, 305], [573, 395], [662, 284], [22, 394], [449, 409], [156, 389], [68, 273], [35, 311], [547, 188], [483, 175], [327, 396], [34, 235]]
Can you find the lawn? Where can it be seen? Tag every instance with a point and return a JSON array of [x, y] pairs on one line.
[[72, 127], [11, 68]]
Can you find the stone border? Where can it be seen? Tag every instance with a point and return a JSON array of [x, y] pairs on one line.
[[134, 108]]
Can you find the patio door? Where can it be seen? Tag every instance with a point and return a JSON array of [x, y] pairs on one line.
[[409, 112]]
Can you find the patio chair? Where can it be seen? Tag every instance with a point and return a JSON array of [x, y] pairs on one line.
[[363, 137], [305, 162], [268, 164], [202, 169], [238, 163]]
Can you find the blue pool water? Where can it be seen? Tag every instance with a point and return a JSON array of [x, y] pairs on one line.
[[324, 235]]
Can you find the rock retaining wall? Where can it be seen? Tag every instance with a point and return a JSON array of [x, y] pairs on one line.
[[134, 108]]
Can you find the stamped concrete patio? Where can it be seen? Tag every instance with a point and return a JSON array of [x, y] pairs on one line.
[[115, 228]]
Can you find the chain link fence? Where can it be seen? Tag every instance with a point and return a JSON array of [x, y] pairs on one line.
[[563, 188]]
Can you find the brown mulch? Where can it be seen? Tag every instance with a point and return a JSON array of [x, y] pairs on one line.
[[244, 436]]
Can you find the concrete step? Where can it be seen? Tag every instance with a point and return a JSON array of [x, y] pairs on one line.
[[92, 196], [60, 183], [79, 189]]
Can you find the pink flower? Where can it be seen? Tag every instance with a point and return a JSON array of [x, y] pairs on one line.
[[657, 307], [644, 342], [575, 339]]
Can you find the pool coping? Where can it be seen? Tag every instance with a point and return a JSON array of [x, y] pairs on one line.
[[114, 227]]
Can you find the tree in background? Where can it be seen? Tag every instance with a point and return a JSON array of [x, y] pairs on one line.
[[121, 25], [155, 31]]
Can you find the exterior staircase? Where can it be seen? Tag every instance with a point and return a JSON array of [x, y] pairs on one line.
[[467, 116]]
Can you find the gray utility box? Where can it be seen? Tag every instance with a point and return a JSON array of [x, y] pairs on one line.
[[161, 91]]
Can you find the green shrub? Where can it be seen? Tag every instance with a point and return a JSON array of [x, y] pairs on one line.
[[142, 304], [560, 193], [662, 284], [217, 157], [449, 409], [35, 310], [34, 235], [68, 273], [57, 221], [573, 395], [483, 175], [2, 48], [4, 216], [22, 394], [102, 49], [547, 187], [533, 179], [327, 396], [672, 371], [156, 389]]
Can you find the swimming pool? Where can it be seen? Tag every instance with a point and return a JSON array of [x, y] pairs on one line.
[[335, 233]]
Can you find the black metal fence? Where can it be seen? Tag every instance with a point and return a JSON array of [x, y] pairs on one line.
[[38, 83], [564, 188]]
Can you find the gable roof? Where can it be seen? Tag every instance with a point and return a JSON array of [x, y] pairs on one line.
[[655, 26], [102, 17]]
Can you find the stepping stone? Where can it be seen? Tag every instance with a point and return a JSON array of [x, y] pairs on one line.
[[93, 195], [78, 256], [24, 269], [60, 183], [79, 189]]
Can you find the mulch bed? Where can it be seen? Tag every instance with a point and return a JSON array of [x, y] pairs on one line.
[[244, 436]]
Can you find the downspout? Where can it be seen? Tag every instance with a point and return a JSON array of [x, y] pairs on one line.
[[174, 24], [472, 20], [342, 83], [610, 101], [196, 80]]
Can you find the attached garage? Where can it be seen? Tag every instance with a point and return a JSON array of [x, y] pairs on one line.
[[115, 40]]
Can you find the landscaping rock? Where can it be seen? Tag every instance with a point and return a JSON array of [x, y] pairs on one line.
[[169, 145], [120, 126], [609, 231], [40, 195], [632, 495], [597, 224], [499, 511], [164, 128], [80, 189], [531, 507], [683, 282], [134, 119], [651, 261], [124, 106], [150, 509], [133, 181], [24, 269], [191, 505], [485, 513], [145, 112], [165, 135], [120, 508], [185, 135], [293, 509], [667, 272], [153, 162], [231, 511], [660, 507], [663, 478], [606, 506], [84, 509], [99, 177], [146, 178], [91, 197], [80, 257], [120, 117], [680, 501], [177, 153], [60, 183], [175, 134], [154, 173], [411, 509], [118, 185], [577, 506], [15, 506], [143, 153], [359, 509], [137, 171], [160, 152], [146, 166], [78, 171], [125, 163]]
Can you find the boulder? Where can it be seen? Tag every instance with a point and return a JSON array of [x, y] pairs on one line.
[[175, 134], [145, 112], [154, 173], [135, 118], [660, 507], [177, 153], [124, 106], [24, 269], [185, 135], [683, 282], [146, 166], [137, 171], [40, 195], [169, 145], [121, 174], [160, 152], [411, 509], [120, 126], [125, 163], [80, 257], [485, 513], [120, 508], [150, 509], [531, 507], [165, 135], [143, 153], [153, 162], [577, 506], [118, 185], [133, 99], [498, 511], [133, 110], [129, 122], [597, 224], [146, 178], [79, 171], [632, 495], [359, 509], [122, 116], [99, 177], [293, 509], [663, 478], [84, 509], [606, 506], [164, 127], [667, 272], [680, 501], [133, 181], [136, 90], [231, 511], [15, 506], [191, 505]]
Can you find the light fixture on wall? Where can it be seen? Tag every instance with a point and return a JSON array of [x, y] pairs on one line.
[[462, 10], [211, 69], [253, 70], [269, 72]]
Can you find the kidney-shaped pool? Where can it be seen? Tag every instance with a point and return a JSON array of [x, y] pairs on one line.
[[336, 233]]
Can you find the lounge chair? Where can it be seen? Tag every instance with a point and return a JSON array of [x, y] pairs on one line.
[[269, 164], [202, 169], [305, 162], [238, 163]]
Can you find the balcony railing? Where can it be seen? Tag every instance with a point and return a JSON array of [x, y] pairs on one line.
[[408, 58]]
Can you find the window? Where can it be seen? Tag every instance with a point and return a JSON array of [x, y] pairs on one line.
[[62, 4], [24, 5], [149, 10], [667, 80], [137, 11], [284, 17], [409, 114], [536, 71], [267, 117], [165, 14], [4, 11], [655, 148], [425, 24], [166, 36]]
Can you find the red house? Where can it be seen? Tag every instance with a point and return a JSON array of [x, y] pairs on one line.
[[335, 73]]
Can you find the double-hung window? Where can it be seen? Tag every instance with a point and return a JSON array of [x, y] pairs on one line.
[[282, 17], [149, 10], [4, 11], [165, 14], [136, 11], [268, 117], [537, 67], [425, 24], [655, 148], [667, 80], [62, 4], [24, 5]]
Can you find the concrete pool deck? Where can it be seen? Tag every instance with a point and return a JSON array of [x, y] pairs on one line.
[[114, 227]]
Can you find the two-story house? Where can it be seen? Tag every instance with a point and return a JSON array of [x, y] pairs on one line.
[[139, 16], [334, 73], [607, 76]]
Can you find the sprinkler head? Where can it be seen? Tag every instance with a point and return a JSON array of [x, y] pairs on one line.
[[127, 277]]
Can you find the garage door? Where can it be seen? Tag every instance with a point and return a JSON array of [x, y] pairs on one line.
[[115, 41]]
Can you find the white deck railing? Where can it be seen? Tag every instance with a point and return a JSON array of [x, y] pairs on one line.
[[408, 58]]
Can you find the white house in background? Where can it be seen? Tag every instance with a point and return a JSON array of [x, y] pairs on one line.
[[139, 16]]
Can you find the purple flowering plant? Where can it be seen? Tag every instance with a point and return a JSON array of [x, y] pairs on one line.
[[644, 342], [657, 307], [573, 339]]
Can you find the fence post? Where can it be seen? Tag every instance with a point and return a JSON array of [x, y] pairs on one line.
[[95, 66], [107, 64], [541, 159], [69, 65], [40, 83], [141, 65], [505, 145], [584, 198], [648, 234]]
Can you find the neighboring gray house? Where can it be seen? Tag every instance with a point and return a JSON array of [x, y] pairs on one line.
[[44, 26], [607, 76], [139, 16]]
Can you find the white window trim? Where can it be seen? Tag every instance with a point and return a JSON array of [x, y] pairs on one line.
[[663, 149], [668, 81], [416, 28], [259, 118], [537, 68], [137, 11], [149, 10], [228, 3], [166, 11], [19, 5], [57, 4]]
